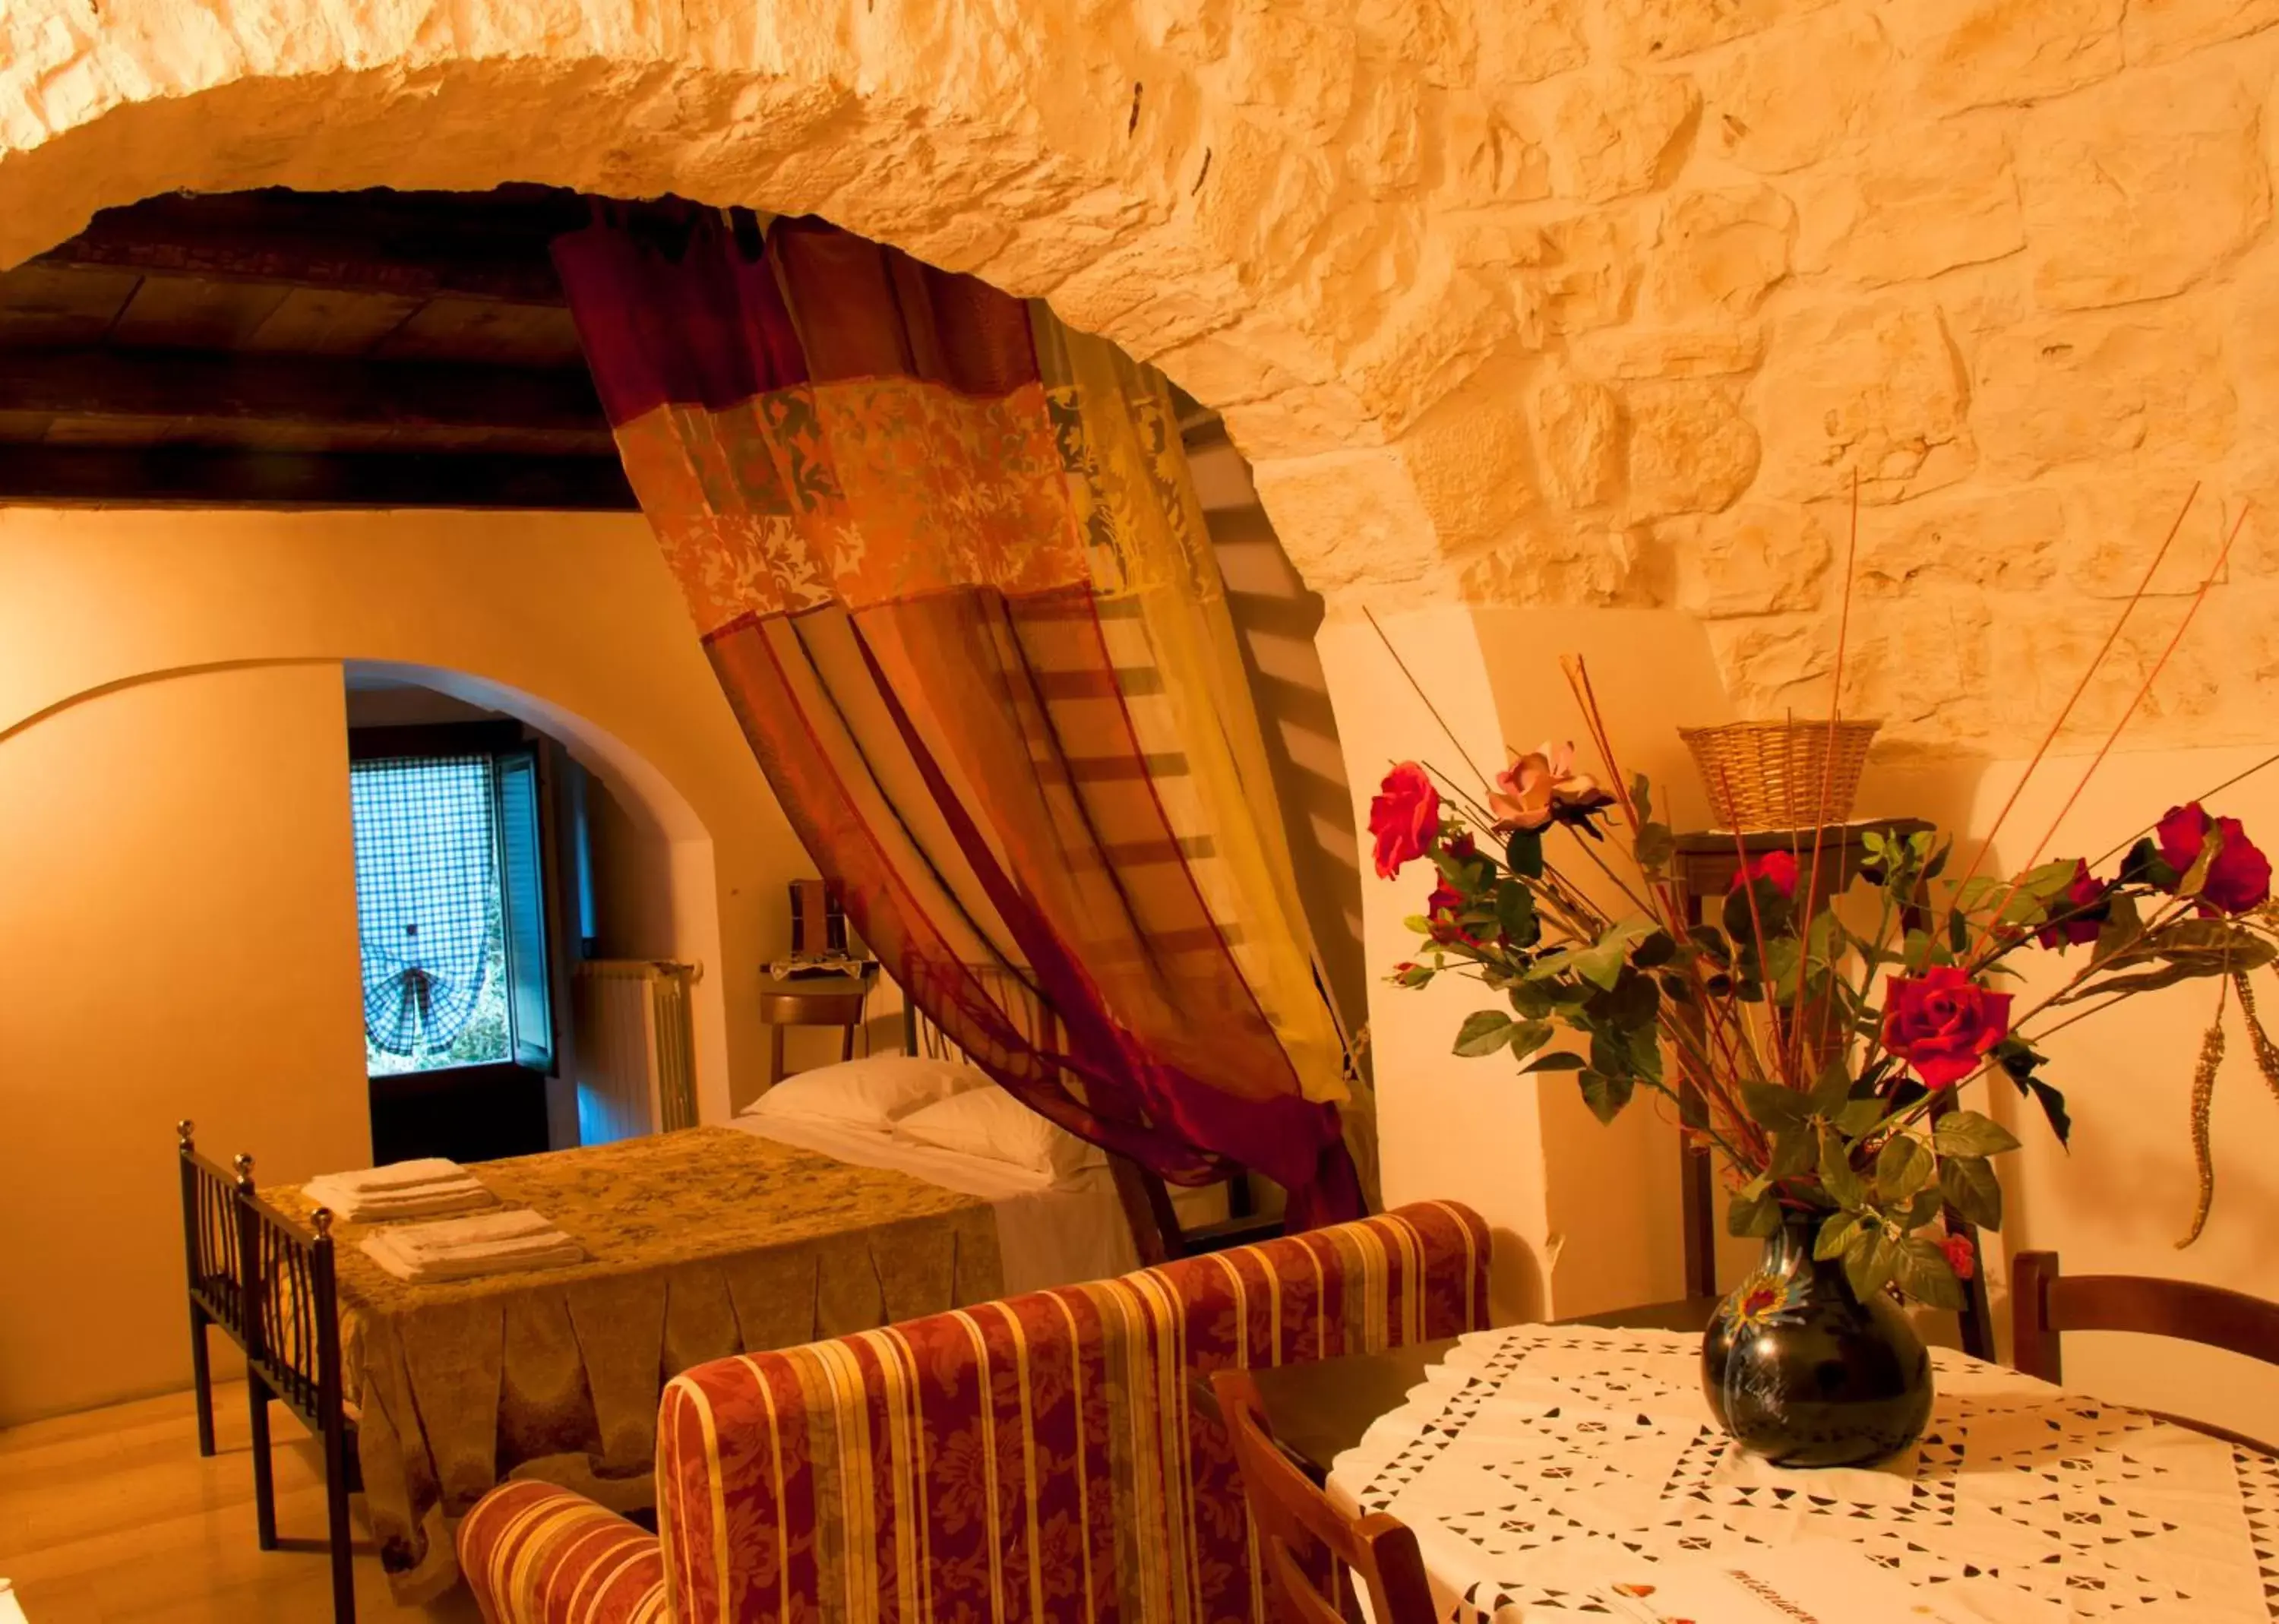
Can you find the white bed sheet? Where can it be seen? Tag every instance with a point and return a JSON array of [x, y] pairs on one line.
[[1047, 1234]]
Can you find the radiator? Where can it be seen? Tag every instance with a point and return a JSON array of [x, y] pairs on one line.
[[636, 1048]]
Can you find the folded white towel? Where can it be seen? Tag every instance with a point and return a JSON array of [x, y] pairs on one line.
[[422, 1202], [398, 1176], [497, 1243]]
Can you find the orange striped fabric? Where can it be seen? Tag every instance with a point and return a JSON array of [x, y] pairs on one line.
[[534, 1553], [1033, 1459]]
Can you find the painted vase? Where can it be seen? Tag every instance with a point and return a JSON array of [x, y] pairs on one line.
[[1802, 1373]]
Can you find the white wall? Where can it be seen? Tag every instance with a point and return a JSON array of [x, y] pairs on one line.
[[177, 902], [160, 847]]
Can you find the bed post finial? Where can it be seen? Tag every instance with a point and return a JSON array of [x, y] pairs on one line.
[[244, 1165], [185, 1136]]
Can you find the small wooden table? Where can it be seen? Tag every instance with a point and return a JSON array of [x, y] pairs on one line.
[[1318, 1409], [813, 1000]]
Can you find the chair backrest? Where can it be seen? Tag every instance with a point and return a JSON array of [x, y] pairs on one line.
[[292, 1321], [209, 1244], [2046, 1302], [1034, 1457], [1304, 1540]]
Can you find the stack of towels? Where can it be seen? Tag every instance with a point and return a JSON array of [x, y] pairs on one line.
[[424, 1189], [462, 1248]]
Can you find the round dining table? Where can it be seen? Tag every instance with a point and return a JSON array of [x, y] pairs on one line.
[[1552, 1472]]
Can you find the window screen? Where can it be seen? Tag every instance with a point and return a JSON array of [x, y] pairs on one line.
[[428, 907]]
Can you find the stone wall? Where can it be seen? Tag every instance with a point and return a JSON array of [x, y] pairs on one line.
[[1573, 302]]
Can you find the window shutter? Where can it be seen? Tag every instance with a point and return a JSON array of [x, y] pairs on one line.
[[522, 875]]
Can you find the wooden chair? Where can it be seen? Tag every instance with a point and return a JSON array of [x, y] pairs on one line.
[[292, 1335], [2046, 1304], [1304, 1539], [209, 1258]]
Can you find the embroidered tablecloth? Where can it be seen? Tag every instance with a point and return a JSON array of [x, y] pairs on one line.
[[701, 1244], [1552, 1472]]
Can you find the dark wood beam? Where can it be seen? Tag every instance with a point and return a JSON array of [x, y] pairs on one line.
[[179, 476], [315, 391], [421, 244]]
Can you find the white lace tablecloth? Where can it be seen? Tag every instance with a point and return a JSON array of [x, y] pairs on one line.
[[1557, 1471]]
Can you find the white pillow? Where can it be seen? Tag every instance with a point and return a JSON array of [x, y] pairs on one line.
[[870, 1092], [990, 1123]]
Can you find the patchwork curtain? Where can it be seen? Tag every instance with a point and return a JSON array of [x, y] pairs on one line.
[[949, 564]]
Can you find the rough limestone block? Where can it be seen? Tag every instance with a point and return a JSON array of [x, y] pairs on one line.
[[2089, 388], [1761, 557], [2115, 522], [1613, 131], [1720, 252], [1999, 541], [2141, 189], [1552, 560], [1972, 53], [1928, 199], [1691, 451], [2160, 30], [1872, 388], [1797, 93], [1578, 436]]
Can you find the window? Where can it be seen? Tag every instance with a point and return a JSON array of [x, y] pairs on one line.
[[451, 905]]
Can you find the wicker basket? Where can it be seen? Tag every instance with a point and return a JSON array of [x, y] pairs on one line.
[[1772, 775]]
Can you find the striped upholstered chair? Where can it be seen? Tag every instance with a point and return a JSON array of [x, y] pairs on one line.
[[1033, 1459]]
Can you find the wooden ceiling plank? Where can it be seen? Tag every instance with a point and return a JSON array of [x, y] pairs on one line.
[[304, 390], [173, 476], [193, 313], [40, 304], [419, 245], [331, 321], [469, 330]]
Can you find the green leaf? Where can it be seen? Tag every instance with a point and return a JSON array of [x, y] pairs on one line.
[[2054, 1106], [2046, 881], [1484, 1032], [1528, 1035], [1834, 1234], [1793, 1153], [1642, 797], [1606, 1095], [2122, 929], [1530, 1000], [1561, 1060], [1858, 1116], [1757, 1218], [1904, 1167], [1772, 1106], [1925, 1275], [1514, 906], [1417, 924], [1654, 846], [1834, 1088], [1972, 1190], [1524, 854], [1870, 1257], [1967, 1133], [1844, 1186], [1711, 942]]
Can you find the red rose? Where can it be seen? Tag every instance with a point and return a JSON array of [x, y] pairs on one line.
[[1960, 1256], [1463, 848], [1441, 908], [2240, 877], [1404, 817], [1778, 867], [1942, 1024], [2079, 915]]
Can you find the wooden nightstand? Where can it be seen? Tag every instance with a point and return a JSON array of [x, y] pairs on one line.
[[813, 1000]]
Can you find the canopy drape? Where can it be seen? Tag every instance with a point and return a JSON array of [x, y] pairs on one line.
[[949, 564]]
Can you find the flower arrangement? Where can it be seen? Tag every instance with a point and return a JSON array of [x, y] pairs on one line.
[[1819, 1029]]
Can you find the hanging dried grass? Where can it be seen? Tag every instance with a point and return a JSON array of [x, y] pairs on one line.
[[2203, 1103]]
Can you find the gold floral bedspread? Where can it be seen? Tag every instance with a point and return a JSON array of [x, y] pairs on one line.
[[701, 1244]]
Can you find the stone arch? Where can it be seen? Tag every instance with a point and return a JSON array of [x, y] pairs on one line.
[[1245, 198]]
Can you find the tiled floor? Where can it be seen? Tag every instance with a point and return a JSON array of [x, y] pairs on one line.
[[112, 1517]]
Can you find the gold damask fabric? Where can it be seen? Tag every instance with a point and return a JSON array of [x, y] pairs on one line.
[[701, 1244]]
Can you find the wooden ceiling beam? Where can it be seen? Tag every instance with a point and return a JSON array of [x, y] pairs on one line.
[[180, 476], [320, 391], [422, 245]]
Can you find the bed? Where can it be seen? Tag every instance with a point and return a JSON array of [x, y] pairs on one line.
[[822, 1211]]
